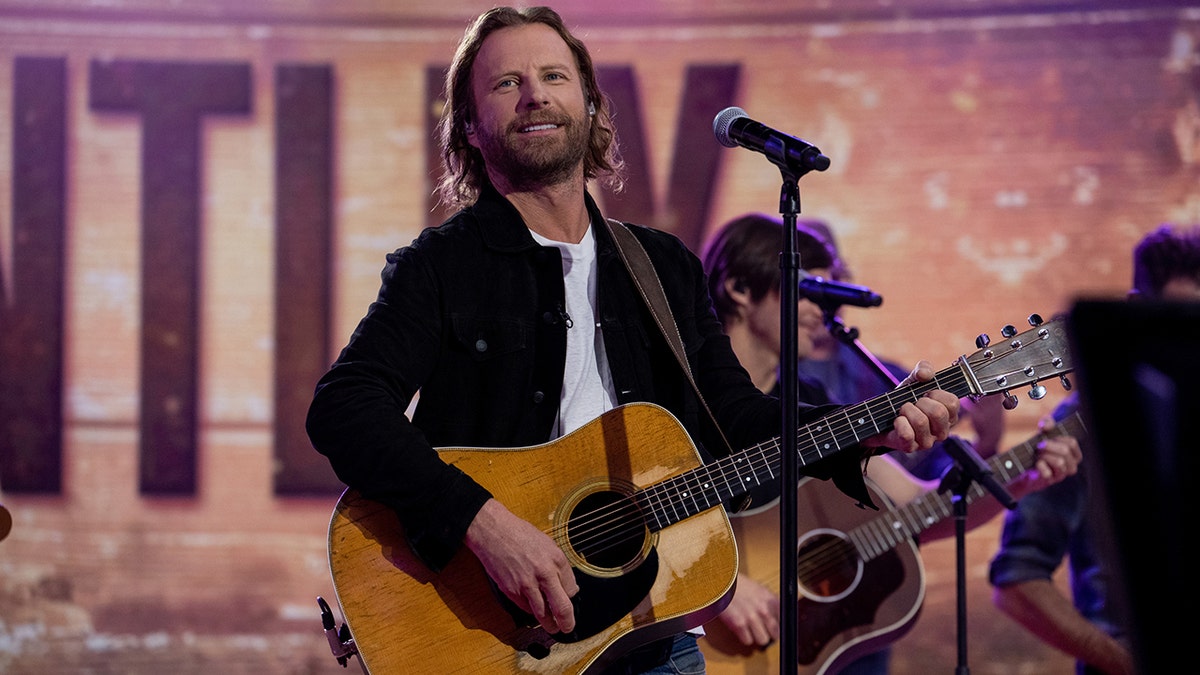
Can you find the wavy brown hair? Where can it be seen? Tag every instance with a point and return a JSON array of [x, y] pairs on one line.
[[746, 251], [463, 171]]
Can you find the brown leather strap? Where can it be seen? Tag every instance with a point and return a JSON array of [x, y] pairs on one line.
[[637, 261]]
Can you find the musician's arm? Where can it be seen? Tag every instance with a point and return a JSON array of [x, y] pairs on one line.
[[526, 565], [1039, 606], [1035, 541], [358, 420]]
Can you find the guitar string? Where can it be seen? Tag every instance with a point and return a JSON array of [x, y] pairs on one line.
[[885, 532], [628, 510], [590, 535], [596, 531], [936, 505], [834, 550]]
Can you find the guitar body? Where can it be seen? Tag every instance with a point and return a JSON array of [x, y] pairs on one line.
[[406, 619], [846, 608], [641, 520]]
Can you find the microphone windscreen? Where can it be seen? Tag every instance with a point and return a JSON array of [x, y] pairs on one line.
[[723, 121]]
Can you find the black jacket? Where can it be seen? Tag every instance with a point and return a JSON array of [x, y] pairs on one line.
[[470, 316]]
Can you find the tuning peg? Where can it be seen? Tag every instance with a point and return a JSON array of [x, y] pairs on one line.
[[982, 340], [1010, 401], [1066, 382], [1008, 331], [1037, 392], [1035, 320]]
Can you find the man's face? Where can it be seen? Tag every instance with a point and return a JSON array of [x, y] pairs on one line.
[[531, 123], [762, 320]]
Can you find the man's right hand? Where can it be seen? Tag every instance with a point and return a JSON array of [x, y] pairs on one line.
[[753, 613], [526, 565]]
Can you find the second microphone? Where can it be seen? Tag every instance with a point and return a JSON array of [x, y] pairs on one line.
[[830, 294]]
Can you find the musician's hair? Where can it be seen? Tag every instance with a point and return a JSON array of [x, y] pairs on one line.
[[1169, 252], [746, 251], [839, 270], [463, 171]]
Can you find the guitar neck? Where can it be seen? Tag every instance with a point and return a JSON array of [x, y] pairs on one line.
[[709, 485], [890, 528]]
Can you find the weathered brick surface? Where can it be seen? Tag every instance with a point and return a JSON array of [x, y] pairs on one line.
[[983, 168]]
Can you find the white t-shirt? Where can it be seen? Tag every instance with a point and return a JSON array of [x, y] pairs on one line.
[[587, 382]]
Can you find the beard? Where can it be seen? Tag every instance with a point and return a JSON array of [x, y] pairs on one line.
[[530, 163]]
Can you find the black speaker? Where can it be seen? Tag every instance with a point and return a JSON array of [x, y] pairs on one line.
[[1138, 363]]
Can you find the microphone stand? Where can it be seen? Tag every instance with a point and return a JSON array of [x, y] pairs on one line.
[[968, 467], [789, 375]]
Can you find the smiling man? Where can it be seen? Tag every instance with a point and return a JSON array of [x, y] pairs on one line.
[[531, 118], [518, 323]]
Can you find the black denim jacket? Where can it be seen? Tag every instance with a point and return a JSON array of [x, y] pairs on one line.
[[469, 315]]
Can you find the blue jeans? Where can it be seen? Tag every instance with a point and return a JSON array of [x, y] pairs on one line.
[[686, 658]]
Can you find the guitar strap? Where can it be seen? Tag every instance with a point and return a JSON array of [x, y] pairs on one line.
[[637, 261]]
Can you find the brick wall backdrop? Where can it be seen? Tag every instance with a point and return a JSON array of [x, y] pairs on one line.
[[195, 201]]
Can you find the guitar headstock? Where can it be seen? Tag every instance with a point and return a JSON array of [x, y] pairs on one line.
[[1040, 353]]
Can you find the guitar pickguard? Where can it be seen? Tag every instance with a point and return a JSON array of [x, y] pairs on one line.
[[600, 602]]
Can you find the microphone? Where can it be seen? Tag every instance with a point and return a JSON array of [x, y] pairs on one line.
[[834, 293], [733, 128], [329, 625], [340, 642]]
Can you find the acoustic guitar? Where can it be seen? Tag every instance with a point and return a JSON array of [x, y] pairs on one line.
[[637, 513], [859, 574]]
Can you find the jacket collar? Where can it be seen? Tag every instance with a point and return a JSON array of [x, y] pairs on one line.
[[505, 230]]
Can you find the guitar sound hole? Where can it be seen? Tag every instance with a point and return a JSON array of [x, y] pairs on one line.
[[607, 530], [827, 566]]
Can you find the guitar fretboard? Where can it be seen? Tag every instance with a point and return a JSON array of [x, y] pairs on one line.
[[884, 532], [1032, 356], [709, 485]]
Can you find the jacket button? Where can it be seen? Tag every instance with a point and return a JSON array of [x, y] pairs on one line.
[[481, 345], [538, 397], [548, 318]]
